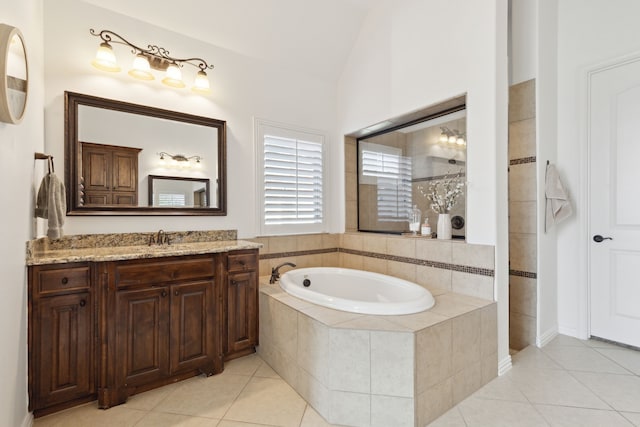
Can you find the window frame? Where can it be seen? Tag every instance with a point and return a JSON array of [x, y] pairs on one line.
[[262, 127]]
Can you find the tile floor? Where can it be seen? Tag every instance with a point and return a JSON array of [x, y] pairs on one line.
[[567, 383]]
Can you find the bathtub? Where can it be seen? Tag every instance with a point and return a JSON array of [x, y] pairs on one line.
[[356, 291]]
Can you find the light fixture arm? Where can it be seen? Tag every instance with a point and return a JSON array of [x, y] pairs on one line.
[[160, 57]]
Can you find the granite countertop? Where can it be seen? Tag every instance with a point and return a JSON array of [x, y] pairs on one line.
[[122, 246], [136, 252]]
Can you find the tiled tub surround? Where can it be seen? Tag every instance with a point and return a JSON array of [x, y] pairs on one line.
[[363, 370], [522, 215], [448, 265]]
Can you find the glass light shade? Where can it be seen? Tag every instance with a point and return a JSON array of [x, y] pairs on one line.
[[444, 137], [460, 141], [173, 77], [105, 59], [453, 139], [201, 83], [141, 69]]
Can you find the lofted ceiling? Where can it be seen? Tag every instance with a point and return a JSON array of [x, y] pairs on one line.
[[312, 35]]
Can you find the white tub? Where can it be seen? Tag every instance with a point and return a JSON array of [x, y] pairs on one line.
[[357, 291]]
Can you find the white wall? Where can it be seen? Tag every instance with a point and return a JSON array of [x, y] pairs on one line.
[[523, 42], [546, 149], [588, 35], [415, 53], [241, 89], [17, 170]]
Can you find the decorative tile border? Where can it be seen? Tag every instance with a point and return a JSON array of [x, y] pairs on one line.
[[527, 274], [426, 263], [437, 177], [522, 161]]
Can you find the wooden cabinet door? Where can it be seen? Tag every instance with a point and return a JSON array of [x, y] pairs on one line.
[[96, 165], [242, 311], [64, 349], [142, 336], [193, 327], [125, 171]]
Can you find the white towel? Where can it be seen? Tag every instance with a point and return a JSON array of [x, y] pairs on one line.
[[558, 206], [51, 204]]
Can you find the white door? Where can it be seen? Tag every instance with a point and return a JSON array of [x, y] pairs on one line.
[[614, 189]]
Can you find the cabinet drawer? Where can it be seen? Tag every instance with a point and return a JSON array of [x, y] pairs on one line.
[[241, 262], [62, 279], [137, 272]]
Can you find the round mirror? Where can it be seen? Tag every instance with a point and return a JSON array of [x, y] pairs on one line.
[[14, 75]]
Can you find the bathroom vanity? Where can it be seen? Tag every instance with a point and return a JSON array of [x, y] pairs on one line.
[[109, 322]]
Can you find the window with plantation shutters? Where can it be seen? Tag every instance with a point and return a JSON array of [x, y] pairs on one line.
[[390, 171], [291, 180]]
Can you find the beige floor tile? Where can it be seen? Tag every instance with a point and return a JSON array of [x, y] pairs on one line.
[[501, 388], [266, 371], [90, 415], [312, 419], [595, 343], [622, 392], [532, 358], [158, 419], [555, 388], [583, 359], [228, 423], [150, 399], [628, 359], [495, 413], [267, 401], [451, 418], [634, 417], [562, 416], [209, 398], [565, 341], [247, 365]]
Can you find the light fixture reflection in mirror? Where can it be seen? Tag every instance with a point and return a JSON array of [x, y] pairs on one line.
[[179, 160]]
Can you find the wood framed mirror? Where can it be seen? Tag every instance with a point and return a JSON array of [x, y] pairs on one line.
[[114, 150]]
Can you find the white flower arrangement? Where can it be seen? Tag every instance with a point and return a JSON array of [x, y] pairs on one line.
[[443, 193]]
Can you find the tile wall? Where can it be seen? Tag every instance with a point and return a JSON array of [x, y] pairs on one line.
[[522, 215]]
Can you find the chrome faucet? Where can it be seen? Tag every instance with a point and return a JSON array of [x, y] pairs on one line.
[[275, 271]]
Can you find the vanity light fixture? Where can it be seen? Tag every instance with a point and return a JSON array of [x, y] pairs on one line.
[[180, 160], [451, 136], [153, 58]]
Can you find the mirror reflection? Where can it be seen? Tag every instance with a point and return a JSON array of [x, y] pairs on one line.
[[174, 191], [121, 152], [394, 166]]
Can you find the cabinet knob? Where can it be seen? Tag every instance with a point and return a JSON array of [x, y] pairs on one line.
[[233, 282], [83, 303], [65, 280], [176, 293], [163, 294]]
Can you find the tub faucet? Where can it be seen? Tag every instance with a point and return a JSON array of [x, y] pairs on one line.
[[275, 271]]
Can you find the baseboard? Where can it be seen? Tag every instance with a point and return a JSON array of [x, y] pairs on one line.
[[28, 420], [547, 337], [504, 365]]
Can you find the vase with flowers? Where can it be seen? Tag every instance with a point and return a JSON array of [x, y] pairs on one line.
[[443, 195]]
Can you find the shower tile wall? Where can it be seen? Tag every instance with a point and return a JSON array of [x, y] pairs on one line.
[[351, 184], [522, 215]]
